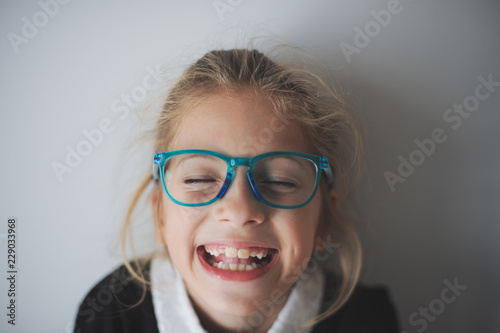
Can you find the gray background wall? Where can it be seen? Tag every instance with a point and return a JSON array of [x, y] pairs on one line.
[[67, 73]]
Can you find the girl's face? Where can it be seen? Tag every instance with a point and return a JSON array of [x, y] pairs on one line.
[[238, 125]]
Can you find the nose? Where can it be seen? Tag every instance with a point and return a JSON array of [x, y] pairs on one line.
[[239, 204]]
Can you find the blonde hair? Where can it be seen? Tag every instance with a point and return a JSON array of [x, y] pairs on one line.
[[297, 94]]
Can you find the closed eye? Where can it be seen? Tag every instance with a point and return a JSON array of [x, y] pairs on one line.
[[199, 181], [278, 183]]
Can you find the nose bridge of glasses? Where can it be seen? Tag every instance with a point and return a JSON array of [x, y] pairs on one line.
[[236, 161], [241, 161]]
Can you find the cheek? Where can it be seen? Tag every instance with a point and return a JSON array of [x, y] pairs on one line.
[[174, 229], [308, 224], [177, 216], [298, 229], [306, 221], [179, 224]]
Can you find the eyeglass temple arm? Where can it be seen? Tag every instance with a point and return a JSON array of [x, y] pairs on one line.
[[328, 172], [156, 167], [156, 172]]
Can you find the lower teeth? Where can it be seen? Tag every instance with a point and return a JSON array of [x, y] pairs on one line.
[[237, 267]]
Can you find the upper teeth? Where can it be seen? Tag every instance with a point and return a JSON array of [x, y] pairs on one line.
[[231, 252], [243, 253]]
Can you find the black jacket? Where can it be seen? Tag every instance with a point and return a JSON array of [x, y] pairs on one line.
[[109, 307]]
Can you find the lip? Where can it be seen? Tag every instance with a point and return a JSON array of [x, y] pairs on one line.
[[239, 276]]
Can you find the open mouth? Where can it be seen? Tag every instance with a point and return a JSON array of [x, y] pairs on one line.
[[226, 261]]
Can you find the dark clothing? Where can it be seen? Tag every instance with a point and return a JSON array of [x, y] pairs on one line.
[[109, 307]]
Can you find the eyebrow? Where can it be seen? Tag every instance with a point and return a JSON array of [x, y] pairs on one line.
[[298, 164], [185, 157], [297, 161]]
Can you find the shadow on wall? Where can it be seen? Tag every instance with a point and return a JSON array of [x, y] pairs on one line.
[[429, 214]]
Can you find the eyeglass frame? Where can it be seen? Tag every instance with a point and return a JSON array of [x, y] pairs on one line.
[[320, 162]]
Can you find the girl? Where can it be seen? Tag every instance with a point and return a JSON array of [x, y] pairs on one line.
[[254, 165]]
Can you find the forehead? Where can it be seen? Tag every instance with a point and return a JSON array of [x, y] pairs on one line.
[[238, 124]]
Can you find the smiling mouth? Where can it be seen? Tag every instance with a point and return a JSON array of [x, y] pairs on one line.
[[237, 259]]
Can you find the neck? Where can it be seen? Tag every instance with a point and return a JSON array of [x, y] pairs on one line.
[[256, 322]]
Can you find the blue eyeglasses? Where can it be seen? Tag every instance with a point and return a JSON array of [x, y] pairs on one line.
[[281, 179]]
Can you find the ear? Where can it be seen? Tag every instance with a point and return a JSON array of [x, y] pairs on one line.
[[158, 216], [334, 198], [325, 226]]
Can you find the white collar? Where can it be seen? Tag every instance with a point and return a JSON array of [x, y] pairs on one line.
[[174, 312]]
